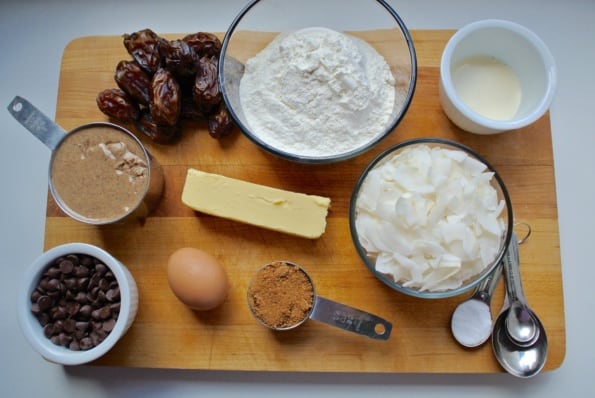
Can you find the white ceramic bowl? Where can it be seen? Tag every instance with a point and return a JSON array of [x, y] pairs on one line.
[[514, 45], [33, 330]]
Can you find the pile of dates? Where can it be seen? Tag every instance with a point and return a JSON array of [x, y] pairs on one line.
[[167, 81]]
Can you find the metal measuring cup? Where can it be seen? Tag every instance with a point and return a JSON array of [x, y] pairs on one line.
[[54, 136], [314, 307]]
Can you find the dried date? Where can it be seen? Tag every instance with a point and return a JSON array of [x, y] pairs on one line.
[[204, 44], [144, 48], [179, 58], [158, 133], [205, 92], [220, 123], [190, 111], [134, 80], [116, 104], [168, 81], [166, 98]]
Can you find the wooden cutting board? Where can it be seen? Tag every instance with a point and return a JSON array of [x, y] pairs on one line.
[[168, 335]]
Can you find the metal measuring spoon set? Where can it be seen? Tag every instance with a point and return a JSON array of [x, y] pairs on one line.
[[518, 338]]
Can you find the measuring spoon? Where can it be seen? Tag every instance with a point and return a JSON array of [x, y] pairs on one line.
[[471, 322], [519, 339], [310, 306]]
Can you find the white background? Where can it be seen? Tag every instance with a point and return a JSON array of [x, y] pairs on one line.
[[33, 35]]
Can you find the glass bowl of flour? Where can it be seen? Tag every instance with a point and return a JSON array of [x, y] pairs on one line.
[[430, 218], [317, 81]]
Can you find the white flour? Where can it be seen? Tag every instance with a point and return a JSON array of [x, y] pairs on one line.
[[317, 92]]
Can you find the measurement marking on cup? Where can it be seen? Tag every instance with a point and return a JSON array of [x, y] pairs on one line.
[[344, 318], [349, 322]]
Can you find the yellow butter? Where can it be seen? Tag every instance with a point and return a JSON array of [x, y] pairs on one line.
[[271, 208]]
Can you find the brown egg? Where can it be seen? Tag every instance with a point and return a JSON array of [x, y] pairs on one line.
[[197, 279]]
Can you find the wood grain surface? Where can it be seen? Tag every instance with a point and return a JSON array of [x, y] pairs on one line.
[[168, 335]]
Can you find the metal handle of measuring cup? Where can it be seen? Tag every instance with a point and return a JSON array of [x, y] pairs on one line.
[[36, 122], [350, 319]]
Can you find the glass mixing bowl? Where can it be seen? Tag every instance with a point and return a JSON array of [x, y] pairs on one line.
[[380, 228], [373, 21]]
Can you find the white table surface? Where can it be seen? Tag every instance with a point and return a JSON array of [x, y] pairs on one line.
[[33, 34]]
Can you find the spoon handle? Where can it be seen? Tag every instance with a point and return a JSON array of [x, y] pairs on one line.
[[511, 263], [486, 288], [36, 122]]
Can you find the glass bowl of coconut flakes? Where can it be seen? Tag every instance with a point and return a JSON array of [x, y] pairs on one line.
[[430, 218], [317, 81]]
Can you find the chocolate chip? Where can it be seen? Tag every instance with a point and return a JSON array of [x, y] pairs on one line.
[[115, 307], [101, 269], [86, 343], [35, 308], [108, 325], [102, 313], [113, 294], [69, 295], [81, 326], [85, 311], [105, 312], [82, 283], [80, 298], [44, 303], [100, 299], [87, 261], [90, 298], [69, 325], [72, 308], [69, 283], [53, 272], [94, 280], [96, 325], [94, 292], [73, 258], [43, 284], [80, 330], [64, 339], [53, 285], [35, 294], [57, 313], [103, 284], [66, 267], [98, 336], [58, 327], [48, 330], [81, 271]]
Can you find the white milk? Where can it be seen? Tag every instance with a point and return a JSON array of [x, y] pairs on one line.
[[487, 86]]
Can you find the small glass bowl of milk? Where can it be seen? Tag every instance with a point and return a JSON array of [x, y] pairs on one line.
[[496, 76]]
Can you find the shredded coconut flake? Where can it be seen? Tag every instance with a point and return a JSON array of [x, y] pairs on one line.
[[430, 217]]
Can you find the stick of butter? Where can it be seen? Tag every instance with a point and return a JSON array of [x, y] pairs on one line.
[[271, 208]]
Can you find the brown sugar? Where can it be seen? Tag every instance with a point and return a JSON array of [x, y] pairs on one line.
[[281, 295]]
